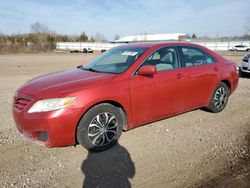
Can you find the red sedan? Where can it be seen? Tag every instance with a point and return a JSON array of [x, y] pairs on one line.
[[124, 88]]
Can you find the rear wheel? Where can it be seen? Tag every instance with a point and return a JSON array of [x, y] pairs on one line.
[[101, 127], [219, 98]]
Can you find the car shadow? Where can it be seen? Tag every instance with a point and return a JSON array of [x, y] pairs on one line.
[[110, 168], [244, 75]]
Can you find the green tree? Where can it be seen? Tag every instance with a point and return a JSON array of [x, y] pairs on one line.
[[92, 39], [83, 37], [64, 38], [51, 41], [33, 38], [194, 36]]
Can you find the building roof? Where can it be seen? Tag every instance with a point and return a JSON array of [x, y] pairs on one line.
[[153, 37], [158, 44]]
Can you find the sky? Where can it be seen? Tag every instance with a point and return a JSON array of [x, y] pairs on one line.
[[127, 17]]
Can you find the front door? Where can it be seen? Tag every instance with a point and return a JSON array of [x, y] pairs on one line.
[[162, 94]]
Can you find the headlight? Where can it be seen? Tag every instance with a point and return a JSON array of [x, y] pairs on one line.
[[51, 104]]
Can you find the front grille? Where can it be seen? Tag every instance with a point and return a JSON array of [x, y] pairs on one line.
[[245, 68], [20, 103]]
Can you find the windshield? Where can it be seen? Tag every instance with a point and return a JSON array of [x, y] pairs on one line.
[[115, 61]]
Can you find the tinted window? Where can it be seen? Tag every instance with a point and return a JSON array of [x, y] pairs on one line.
[[164, 59], [246, 58], [194, 57]]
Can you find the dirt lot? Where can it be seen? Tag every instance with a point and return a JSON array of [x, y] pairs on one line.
[[195, 149]]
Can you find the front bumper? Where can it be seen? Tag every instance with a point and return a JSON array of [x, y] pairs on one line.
[[245, 67], [50, 129]]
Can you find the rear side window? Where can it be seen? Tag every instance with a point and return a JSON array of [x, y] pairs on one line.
[[194, 57]]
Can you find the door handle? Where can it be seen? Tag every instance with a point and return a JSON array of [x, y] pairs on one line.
[[179, 76], [216, 68]]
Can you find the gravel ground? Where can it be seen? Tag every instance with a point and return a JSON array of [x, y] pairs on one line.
[[195, 149]]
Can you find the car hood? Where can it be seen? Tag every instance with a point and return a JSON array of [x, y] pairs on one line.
[[63, 82]]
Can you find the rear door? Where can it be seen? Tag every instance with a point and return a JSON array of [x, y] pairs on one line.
[[202, 75], [162, 94]]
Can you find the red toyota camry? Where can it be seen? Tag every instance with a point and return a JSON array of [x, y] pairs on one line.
[[124, 88]]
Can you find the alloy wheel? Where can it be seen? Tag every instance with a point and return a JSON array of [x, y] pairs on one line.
[[102, 129], [220, 98]]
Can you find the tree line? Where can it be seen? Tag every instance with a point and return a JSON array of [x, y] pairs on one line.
[[41, 39]]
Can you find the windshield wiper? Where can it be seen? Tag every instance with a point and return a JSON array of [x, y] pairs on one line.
[[87, 69]]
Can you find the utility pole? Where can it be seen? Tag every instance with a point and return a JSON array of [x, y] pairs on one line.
[[217, 38]]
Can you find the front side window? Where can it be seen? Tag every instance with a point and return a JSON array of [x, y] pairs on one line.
[[115, 61], [194, 57], [164, 59]]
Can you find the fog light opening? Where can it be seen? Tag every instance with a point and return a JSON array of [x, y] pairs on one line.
[[43, 136]]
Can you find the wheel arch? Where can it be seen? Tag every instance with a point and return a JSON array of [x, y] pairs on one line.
[[225, 81], [112, 102], [228, 83]]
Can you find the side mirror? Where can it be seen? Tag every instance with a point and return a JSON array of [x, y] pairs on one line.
[[147, 70]]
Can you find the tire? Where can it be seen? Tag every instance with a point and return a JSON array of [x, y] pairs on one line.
[[100, 127], [241, 73], [219, 98]]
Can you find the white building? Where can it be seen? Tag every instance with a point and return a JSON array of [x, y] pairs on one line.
[[152, 38], [80, 45], [128, 39]]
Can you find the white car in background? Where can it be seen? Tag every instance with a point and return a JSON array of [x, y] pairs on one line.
[[245, 64], [240, 48]]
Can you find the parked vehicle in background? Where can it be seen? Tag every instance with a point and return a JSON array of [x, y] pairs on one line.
[[84, 50], [125, 87], [240, 48], [87, 50], [74, 51], [90, 50], [245, 65]]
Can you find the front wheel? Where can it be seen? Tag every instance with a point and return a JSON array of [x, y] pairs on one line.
[[241, 73], [219, 99], [100, 128]]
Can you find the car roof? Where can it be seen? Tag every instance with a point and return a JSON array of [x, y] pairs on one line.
[[150, 45]]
